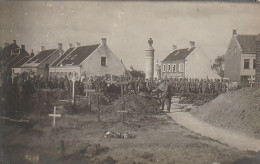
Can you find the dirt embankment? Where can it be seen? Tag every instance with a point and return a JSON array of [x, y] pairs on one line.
[[238, 111]]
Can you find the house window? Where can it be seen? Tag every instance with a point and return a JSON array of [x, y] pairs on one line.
[[168, 68], [254, 63], [246, 63], [229, 50], [103, 61], [174, 68], [164, 68], [181, 67]]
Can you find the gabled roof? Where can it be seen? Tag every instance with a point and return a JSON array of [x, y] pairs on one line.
[[21, 62], [247, 43], [78, 55], [17, 57], [179, 54], [6, 52], [41, 56], [56, 63]]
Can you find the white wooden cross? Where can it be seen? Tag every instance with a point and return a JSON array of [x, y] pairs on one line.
[[73, 87], [54, 115], [251, 81]]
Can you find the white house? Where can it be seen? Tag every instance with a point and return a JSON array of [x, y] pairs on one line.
[[190, 62], [89, 60], [240, 57], [39, 64]]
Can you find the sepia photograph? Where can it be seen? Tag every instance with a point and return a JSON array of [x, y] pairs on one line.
[[129, 82]]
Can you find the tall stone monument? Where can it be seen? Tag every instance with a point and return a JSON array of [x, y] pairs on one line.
[[149, 60]]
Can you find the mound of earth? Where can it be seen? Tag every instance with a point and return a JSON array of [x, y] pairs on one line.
[[238, 110], [137, 104]]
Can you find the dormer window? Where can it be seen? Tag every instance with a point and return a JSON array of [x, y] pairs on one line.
[[103, 61]]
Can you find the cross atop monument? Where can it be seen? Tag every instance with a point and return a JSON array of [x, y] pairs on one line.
[[150, 41]]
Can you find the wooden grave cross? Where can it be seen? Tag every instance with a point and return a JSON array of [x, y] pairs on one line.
[[251, 81], [54, 115]]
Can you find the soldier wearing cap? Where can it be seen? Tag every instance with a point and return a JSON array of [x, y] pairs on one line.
[[182, 86], [216, 86], [165, 89]]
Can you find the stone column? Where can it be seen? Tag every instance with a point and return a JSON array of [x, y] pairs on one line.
[[149, 60]]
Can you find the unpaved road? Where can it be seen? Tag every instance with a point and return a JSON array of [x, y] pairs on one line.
[[231, 138]]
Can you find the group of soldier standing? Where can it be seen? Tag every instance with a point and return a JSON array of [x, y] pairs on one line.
[[174, 86], [25, 83]]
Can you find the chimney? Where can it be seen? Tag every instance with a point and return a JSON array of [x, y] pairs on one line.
[[234, 32], [6, 44], [23, 47], [42, 48], [192, 44], [14, 41], [103, 41], [70, 45], [32, 54], [174, 47], [60, 46], [78, 44]]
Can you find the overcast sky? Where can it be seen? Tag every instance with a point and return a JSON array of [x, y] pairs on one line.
[[127, 25]]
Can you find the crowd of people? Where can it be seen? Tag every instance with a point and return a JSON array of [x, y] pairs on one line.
[[24, 84], [27, 83], [169, 87]]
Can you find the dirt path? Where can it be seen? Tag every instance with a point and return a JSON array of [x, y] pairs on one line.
[[231, 138]]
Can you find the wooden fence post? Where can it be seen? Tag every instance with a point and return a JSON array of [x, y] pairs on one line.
[[89, 100], [62, 146], [98, 110]]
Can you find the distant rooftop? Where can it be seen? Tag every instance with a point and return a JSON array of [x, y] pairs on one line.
[[179, 54]]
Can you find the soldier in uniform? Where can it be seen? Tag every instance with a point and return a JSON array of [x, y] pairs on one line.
[[192, 86], [210, 86], [165, 89], [187, 86], [172, 83], [223, 87], [177, 85], [216, 86], [204, 87], [182, 86]]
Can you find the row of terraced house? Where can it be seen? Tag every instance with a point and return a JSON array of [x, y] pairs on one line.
[[242, 60], [86, 60]]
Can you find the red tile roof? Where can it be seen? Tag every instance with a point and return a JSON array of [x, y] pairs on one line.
[[78, 55], [247, 43], [179, 54]]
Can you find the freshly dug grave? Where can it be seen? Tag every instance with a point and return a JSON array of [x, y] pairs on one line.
[[197, 100], [238, 110], [137, 104]]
